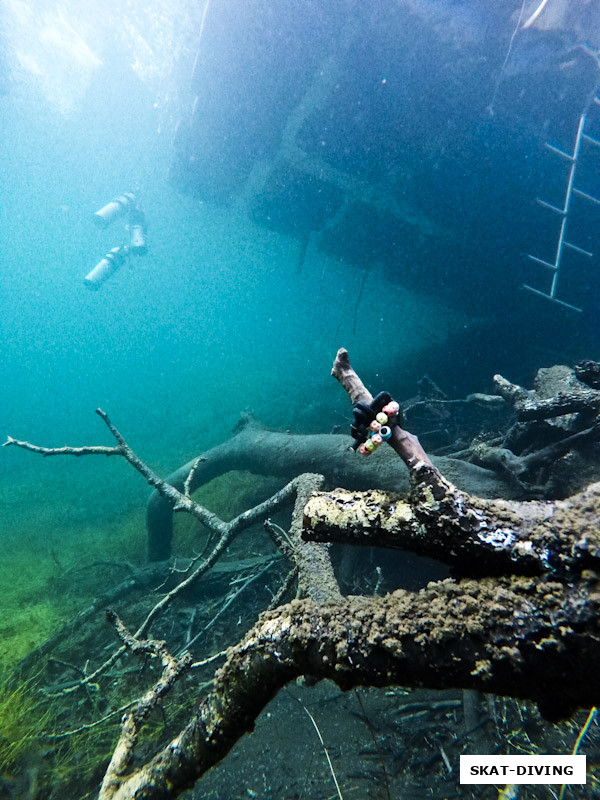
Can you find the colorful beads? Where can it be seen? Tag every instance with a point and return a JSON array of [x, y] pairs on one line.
[[391, 409], [380, 428]]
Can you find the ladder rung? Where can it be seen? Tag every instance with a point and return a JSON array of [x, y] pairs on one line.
[[578, 249], [543, 263], [560, 152], [586, 196], [552, 299], [550, 206], [590, 139]]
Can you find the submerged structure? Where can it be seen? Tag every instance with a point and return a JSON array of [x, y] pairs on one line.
[[384, 133]]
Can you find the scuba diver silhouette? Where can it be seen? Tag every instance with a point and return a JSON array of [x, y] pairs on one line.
[[121, 206]]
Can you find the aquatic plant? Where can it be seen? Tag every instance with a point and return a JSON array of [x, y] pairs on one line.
[[22, 720]]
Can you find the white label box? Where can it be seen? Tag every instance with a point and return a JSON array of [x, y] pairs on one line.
[[522, 769]]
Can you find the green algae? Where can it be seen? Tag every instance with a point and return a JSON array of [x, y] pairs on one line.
[[45, 584], [21, 720]]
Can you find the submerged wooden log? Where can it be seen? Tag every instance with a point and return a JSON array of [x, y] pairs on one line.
[[472, 535], [285, 455], [588, 372], [513, 636], [529, 406]]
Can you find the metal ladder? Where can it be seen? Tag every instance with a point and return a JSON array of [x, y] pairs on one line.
[[564, 213]]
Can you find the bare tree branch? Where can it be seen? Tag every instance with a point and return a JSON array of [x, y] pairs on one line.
[[404, 443], [133, 720], [529, 407]]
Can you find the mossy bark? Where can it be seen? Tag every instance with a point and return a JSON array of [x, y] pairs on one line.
[[473, 535], [518, 636]]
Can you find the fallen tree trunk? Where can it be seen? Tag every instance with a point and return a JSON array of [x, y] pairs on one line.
[[284, 455]]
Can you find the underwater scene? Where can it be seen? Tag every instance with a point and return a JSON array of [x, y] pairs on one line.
[[300, 334]]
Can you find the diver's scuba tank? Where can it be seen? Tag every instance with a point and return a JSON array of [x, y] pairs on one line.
[[115, 209], [106, 267], [124, 204], [137, 232]]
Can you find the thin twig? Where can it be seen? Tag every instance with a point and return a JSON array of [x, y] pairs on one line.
[[65, 451], [226, 605], [323, 745], [88, 726], [280, 538], [586, 726], [375, 742], [283, 589], [209, 660], [190, 477]]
